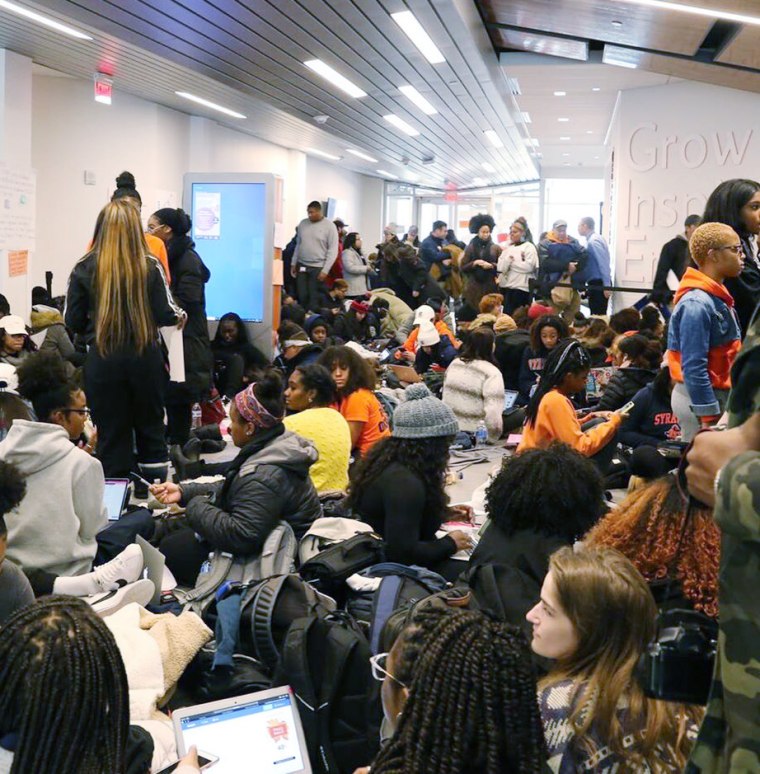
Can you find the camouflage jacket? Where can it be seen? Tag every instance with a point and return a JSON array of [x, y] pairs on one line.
[[729, 740]]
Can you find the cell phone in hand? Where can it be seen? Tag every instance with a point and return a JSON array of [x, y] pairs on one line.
[[205, 761], [625, 410]]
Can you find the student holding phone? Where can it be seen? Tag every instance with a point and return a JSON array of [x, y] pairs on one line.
[[552, 417]]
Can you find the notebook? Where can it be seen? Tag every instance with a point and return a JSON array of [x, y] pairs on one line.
[[259, 732], [115, 497]]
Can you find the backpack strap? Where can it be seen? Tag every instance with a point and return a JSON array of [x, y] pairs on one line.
[[208, 582], [341, 643], [261, 618], [296, 661], [383, 605]]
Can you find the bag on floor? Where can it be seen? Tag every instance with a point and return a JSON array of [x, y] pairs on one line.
[[326, 663], [268, 608], [401, 586], [326, 532], [201, 682], [277, 557], [212, 410], [328, 570]]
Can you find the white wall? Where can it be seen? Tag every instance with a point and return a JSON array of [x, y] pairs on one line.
[[672, 145], [71, 133]]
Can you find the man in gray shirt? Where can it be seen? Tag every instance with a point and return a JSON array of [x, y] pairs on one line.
[[315, 253]]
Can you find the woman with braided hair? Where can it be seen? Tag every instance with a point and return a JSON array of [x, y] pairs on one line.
[[64, 707], [459, 690]]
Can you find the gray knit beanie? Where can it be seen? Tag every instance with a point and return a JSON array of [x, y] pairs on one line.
[[422, 415]]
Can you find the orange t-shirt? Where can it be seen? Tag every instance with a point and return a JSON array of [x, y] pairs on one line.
[[362, 406]]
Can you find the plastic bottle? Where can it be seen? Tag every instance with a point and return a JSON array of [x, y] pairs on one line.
[[196, 420], [481, 434]]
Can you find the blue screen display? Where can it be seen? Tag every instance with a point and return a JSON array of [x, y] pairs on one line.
[[229, 229]]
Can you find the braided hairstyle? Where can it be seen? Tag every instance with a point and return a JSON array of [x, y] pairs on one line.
[[472, 700], [65, 693]]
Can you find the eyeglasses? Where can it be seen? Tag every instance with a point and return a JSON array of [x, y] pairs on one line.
[[379, 672], [85, 412], [736, 249]]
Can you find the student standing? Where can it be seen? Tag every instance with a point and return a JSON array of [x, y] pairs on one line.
[[704, 335], [315, 253], [189, 277], [117, 298]]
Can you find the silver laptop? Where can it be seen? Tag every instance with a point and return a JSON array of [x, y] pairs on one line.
[[260, 732]]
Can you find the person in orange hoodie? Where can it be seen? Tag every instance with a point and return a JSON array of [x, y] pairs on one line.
[[432, 311], [551, 416], [704, 335]]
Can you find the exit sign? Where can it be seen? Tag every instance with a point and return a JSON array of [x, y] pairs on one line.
[[103, 89]]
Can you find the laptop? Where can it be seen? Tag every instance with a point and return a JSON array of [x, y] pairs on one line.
[[510, 396], [259, 732], [406, 374], [115, 497], [155, 564]]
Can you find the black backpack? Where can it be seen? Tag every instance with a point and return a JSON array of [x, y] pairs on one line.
[[326, 663], [330, 568]]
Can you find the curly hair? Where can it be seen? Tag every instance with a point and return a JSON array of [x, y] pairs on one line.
[[472, 699], [546, 321], [646, 528], [360, 373], [316, 377], [707, 237], [556, 491], [478, 221], [45, 383], [426, 458], [625, 320], [12, 491]]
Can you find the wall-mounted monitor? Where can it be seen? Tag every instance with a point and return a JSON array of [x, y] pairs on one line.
[[331, 209], [233, 231]]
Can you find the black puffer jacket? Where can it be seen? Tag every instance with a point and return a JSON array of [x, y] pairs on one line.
[[268, 482], [623, 385], [508, 353], [189, 277]]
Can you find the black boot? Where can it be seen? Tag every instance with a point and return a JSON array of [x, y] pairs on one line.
[[192, 449], [209, 446], [207, 433], [184, 468]]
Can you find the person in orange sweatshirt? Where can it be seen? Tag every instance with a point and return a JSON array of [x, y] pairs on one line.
[[704, 335], [432, 311], [551, 416]]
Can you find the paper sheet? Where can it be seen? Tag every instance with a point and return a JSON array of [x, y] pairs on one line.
[[173, 339], [38, 338]]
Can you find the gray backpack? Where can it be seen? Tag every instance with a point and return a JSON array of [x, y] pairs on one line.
[[277, 557]]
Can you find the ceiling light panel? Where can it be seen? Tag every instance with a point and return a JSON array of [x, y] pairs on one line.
[[399, 123], [362, 155], [316, 152], [46, 21], [419, 36], [335, 78], [417, 100], [697, 10], [493, 138], [209, 104]]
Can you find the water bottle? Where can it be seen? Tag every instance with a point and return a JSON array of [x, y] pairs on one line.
[[481, 434], [206, 566], [195, 413]]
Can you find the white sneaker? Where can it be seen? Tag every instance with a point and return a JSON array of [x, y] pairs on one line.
[[109, 602], [127, 567]]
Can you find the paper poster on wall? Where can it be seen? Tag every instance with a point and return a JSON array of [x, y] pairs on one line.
[[18, 263], [166, 199], [17, 208], [208, 215]]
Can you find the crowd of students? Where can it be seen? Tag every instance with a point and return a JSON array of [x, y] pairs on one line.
[[420, 344]]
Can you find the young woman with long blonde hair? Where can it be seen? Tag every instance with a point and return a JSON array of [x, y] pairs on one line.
[[117, 298], [594, 619]]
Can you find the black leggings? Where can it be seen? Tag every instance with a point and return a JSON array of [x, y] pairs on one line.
[[185, 554]]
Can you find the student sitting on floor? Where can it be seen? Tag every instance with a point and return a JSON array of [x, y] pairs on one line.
[[60, 527], [266, 483], [15, 591]]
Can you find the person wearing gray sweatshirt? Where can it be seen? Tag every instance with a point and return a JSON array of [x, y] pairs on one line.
[[315, 253]]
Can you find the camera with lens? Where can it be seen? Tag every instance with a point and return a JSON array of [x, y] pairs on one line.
[[678, 665]]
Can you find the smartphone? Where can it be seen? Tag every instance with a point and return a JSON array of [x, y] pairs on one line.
[[205, 760], [624, 410]]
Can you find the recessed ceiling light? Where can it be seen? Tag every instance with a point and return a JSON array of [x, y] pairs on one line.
[[399, 123], [208, 104], [417, 99], [596, 88], [361, 155], [616, 23], [315, 152], [385, 173], [46, 21], [411, 176], [596, 157], [560, 93], [493, 138], [564, 138], [563, 120], [565, 154], [525, 117], [589, 131], [488, 167], [335, 78], [712, 13], [418, 35], [566, 163], [479, 181]]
